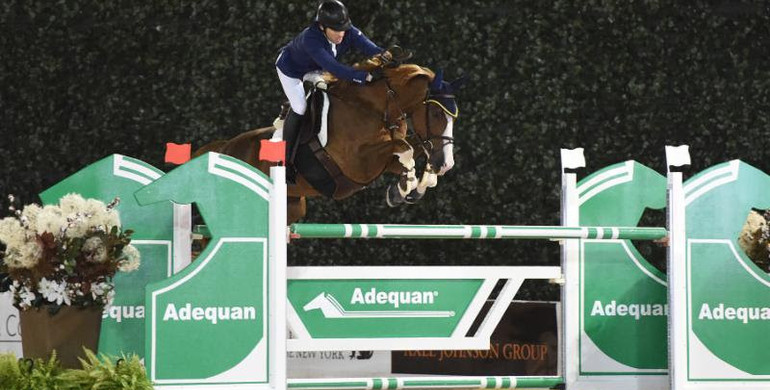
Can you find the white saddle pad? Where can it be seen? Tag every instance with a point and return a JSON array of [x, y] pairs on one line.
[[323, 134]]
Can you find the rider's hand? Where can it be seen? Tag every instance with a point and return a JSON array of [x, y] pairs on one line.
[[376, 74], [387, 56]]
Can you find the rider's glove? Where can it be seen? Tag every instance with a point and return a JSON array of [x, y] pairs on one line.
[[376, 74]]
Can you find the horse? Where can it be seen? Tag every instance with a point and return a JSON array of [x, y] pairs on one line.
[[368, 130]]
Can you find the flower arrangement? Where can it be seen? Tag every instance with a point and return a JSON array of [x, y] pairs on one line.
[[65, 254], [754, 238]]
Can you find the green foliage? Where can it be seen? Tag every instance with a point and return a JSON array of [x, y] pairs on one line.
[[82, 79], [11, 374], [97, 373], [107, 374], [43, 374]]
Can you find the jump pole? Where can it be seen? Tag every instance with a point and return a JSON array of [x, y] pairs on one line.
[[500, 232]]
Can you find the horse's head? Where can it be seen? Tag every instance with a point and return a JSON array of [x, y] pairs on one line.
[[414, 98], [440, 113], [430, 114]]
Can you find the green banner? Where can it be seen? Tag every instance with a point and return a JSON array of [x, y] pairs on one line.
[[624, 316], [208, 323], [729, 301], [367, 308]]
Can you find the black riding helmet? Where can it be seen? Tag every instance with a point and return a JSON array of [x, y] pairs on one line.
[[334, 15]]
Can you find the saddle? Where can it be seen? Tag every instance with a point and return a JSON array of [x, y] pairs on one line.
[[312, 161]]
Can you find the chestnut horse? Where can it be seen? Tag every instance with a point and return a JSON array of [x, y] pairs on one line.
[[367, 133]]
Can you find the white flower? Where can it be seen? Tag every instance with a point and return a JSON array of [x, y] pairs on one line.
[[129, 259], [112, 218], [102, 291], [26, 297], [50, 219], [29, 215], [94, 250], [12, 233], [29, 254], [54, 292], [26, 256], [109, 299], [77, 225], [101, 215], [72, 203]]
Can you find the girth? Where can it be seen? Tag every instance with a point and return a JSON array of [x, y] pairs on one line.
[[318, 167]]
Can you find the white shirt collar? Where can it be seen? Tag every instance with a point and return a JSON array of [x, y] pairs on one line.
[[334, 47]]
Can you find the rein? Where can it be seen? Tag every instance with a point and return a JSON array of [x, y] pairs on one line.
[[426, 144], [393, 126]]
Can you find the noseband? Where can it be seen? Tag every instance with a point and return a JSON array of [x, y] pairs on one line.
[[426, 143], [430, 98]]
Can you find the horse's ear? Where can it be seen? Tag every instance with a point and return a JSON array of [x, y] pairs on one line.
[[459, 82], [435, 85]]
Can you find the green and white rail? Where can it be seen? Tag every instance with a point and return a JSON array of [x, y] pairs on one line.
[[435, 382], [501, 232]]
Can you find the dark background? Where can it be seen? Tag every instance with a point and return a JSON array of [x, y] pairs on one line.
[[80, 80]]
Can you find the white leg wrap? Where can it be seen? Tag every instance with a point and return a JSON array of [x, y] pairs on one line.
[[429, 180], [409, 182], [406, 158]]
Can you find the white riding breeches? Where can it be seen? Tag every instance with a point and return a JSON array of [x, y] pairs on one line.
[[294, 91]]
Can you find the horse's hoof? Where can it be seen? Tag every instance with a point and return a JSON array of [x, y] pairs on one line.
[[393, 196], [413, 196]]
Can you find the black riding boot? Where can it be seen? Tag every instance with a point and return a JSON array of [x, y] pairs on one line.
[[290, 134]]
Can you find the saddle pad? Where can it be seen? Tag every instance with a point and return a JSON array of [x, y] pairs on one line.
[[323, 131]]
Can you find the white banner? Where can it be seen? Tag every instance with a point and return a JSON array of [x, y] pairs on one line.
[[10, 332]]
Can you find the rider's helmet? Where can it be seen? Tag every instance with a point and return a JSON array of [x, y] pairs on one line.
[[333, 14]]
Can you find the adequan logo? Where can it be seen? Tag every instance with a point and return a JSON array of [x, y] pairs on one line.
[[331, 308]]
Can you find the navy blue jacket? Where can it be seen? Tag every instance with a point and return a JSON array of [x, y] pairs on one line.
[[310, 50]]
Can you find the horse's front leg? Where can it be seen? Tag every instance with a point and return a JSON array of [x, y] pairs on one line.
[[429, 179], [408, 175]]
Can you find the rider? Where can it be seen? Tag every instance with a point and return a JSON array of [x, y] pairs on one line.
[[316, 48]]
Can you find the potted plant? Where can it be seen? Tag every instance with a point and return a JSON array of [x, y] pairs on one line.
[[58, 263]]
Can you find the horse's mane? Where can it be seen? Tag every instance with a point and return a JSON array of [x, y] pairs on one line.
[[397, 76], [403, 74]]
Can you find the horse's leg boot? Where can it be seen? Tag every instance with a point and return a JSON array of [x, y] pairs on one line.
[[291, 136]]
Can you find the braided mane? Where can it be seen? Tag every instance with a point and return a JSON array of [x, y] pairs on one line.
[[398, 76]]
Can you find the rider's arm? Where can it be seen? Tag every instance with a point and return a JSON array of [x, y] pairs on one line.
[[317, 51], [362, 43]]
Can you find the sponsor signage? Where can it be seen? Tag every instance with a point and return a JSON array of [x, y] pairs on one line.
[[338, 364], [729, 294], [394, 308], [381, 308], [207, 325], [623, 318], [10, 331], [524, 343]]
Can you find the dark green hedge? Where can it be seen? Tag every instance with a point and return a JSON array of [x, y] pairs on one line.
[[83, 79]]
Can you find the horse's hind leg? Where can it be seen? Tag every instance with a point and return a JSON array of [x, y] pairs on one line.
[[296, 209]]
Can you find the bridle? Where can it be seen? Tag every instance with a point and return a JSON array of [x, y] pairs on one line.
[[430, 98], [394, 124]]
